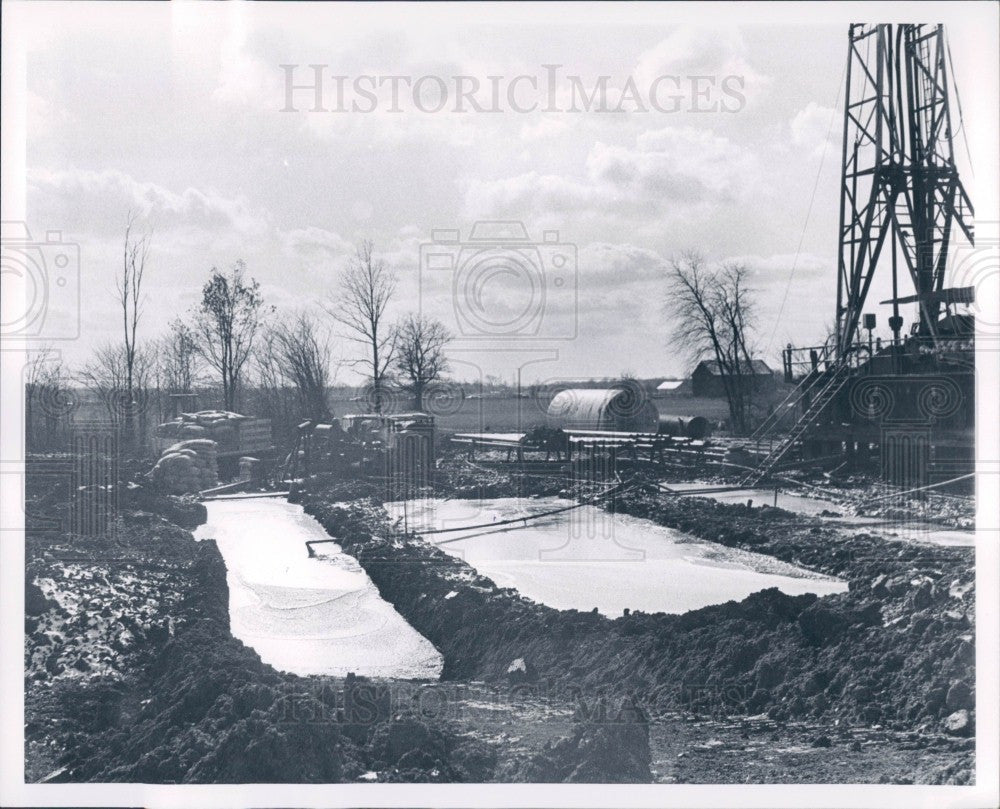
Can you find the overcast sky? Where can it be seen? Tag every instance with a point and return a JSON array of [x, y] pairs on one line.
[[177, 113]]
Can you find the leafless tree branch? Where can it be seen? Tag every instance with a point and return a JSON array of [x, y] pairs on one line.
[[360, 305], [420, 357], [714, 315]]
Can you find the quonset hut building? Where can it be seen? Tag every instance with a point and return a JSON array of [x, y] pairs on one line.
[[609, 409]]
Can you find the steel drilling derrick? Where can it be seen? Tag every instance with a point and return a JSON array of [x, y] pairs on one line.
[[900, 184]]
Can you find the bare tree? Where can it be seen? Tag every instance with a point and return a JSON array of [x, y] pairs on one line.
[[713, 310], [46, 397], [420, 357], [360, 306], [227, 323], [305, 359], [111, 373], [128, 286], [179, 357], [272, 398]]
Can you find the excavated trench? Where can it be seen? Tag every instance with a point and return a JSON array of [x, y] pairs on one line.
[[585, 557], [893, 654], [896, 648], [308, 613]]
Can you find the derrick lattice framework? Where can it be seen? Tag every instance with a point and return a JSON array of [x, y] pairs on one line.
[[900, 190]]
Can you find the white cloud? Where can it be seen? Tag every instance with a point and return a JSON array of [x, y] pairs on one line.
[[202, 149], [715, 52], [245, 78], [544, 126], [813, 128], [610, 265], [312, 242], [777, 266], [99, 201], [664, 168]]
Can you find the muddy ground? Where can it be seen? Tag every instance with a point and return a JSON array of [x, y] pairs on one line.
[[132, 675]]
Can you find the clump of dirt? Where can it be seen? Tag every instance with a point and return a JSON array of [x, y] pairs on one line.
[[602, 748]]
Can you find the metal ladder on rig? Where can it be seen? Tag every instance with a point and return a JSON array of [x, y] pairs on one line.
[[826, 386], [809, 384]]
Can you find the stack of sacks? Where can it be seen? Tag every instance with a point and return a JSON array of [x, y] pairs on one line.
[[249, 468], [188, 467], [218, 425]]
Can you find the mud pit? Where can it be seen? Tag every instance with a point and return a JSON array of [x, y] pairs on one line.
[[308, 615], [588, 558]]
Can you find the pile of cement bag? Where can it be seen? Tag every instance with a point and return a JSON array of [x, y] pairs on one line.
[[218, 425], [188, 467]]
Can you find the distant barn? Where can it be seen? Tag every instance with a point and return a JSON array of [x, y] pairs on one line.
[[670, 386], [706, 380], [614, 409]]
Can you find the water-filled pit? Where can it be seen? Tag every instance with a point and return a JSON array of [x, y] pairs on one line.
[[910, 530], [303, 615], [587, 557]]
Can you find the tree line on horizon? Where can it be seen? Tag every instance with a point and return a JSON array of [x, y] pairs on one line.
[[232, 336]]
